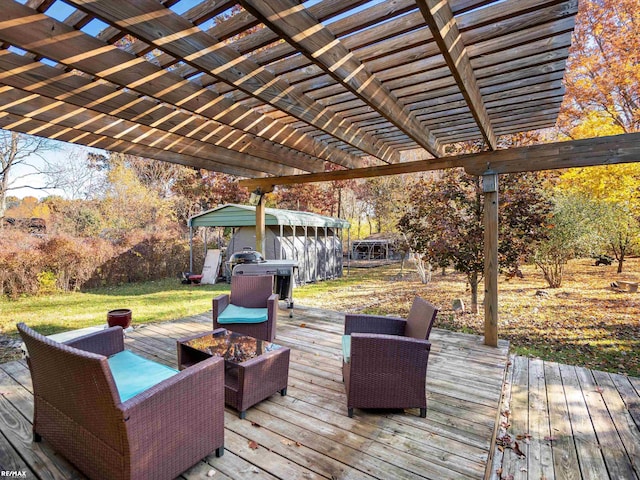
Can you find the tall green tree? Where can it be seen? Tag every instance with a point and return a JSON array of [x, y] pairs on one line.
[[570, 232]]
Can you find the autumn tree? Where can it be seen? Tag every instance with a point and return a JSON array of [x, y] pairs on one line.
[[444, 222], [306, 197], [614, 192], [385, 199], [602, 76], [200, 190], [128, 204]]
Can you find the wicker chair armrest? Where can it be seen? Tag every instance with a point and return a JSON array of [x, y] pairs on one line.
[[219, 304], [272, 305], [373, 324], [107, 342], [190, 401], [374, 352]]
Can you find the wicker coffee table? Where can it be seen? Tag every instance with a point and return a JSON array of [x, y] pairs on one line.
[[254, 369]]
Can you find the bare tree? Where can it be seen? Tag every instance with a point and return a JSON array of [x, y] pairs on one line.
[[19, 149], [75, 177]]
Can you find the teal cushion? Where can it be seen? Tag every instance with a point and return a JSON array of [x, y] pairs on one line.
[[134, 374], [346, 348], [236, 314]]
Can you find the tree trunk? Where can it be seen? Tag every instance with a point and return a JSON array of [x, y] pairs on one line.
[[620, 260], [473, 283]]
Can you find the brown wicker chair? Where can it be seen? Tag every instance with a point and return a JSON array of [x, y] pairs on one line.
[[250, 292], [156, 434], [385, 359]]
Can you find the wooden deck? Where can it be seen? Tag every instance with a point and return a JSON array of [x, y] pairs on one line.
[[569, 422], [307, 434]]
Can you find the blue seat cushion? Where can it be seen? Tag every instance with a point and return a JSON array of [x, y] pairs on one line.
[[236, 314], [134, 374], [346, 348]]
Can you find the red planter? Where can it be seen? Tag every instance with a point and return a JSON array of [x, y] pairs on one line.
[[120, 317]]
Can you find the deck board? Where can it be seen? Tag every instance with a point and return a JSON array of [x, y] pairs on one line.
[[573, 423], [591, 419]]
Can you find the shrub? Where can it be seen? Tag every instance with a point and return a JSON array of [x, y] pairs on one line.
[[154, 257], [43, 264], [19, 263], [47, 282]]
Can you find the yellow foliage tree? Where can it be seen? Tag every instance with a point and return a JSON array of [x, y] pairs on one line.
[[128, 204], [615, 193]]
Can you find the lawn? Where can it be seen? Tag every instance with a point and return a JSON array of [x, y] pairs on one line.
[[584, 322]]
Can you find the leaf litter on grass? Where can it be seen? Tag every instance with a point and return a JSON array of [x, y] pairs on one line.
[[584, 322]]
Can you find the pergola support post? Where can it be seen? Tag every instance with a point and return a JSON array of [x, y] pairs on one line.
[[490, 190], [190, 247], [260, 226]]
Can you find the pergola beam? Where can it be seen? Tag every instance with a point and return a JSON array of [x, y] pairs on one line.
[[550, 156], [299, 28]]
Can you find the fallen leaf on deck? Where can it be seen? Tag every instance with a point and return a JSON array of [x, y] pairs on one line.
[[517, 451], [550, 438], [254, 424], [302, 325], [599, 389], [253, 444], [211, 473]]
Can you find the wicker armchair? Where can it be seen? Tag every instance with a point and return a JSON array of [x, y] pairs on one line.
[[249, 292], [156, 434], [385, 359]]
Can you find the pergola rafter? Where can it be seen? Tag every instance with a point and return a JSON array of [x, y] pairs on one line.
[[32, 126], [444, 28], [54, 40], [316, 42], [175, 35]]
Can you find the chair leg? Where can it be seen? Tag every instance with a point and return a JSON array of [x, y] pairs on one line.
[[36, 437], [242, 414], [283, 392], [423, 412], [350, 412], [220, 451]]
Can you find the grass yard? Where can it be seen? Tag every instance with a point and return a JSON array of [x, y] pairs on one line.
[[584, 322]]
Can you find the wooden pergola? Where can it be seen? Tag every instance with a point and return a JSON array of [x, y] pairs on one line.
[[274, 90]]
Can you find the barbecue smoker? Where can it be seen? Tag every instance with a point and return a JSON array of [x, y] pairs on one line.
[[250, 262]]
